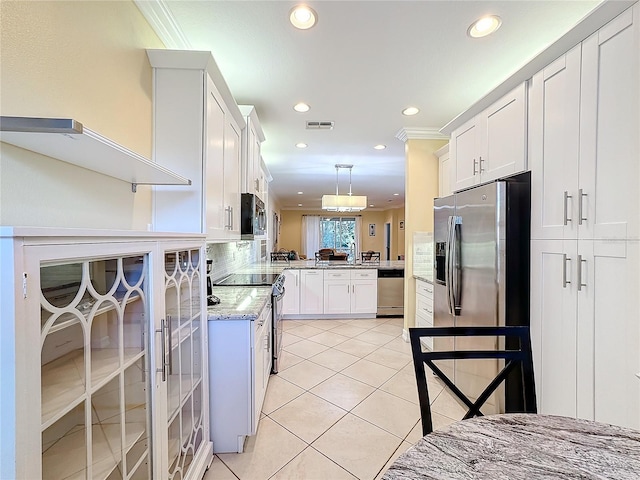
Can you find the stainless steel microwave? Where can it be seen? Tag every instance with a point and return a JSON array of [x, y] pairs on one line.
[[253, 219]]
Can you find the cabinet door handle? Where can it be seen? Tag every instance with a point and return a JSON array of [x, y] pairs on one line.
[[475, 163], [170, 353], [566, 207], [353, 288], [580, 284], [565, 259], [581, 218], [163, 349], [480, 165]]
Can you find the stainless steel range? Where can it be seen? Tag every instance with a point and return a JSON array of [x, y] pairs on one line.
[[276, 281]]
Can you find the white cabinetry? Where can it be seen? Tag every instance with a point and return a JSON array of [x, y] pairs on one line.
[[311, 291], [252, 177], [350, 291], [492, 144], [337, 291], [240, 363], [291, 300], [364, 291], [424, 307], [444, 171], [197, 131], [119, 360], [585, 305]]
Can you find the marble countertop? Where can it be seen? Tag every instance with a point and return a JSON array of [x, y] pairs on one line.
[[238, 303], [522, 446]]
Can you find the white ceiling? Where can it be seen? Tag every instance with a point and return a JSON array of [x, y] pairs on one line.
[[360, 66]]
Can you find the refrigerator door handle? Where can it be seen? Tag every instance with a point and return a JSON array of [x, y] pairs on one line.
[[455, 270], [447, 265]]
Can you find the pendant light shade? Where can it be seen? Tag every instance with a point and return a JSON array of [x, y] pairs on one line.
[[344, 203]]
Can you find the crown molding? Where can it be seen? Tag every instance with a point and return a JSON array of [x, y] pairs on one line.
[[417, 133], [162, 21]]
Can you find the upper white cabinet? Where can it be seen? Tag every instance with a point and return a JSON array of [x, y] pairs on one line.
[[554, 141], [607, 201], [253, 180], [492, 144], [444, 171], [584, 139], [197, 132]]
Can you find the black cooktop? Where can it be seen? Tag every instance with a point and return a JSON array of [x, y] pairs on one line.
[[248, 279]]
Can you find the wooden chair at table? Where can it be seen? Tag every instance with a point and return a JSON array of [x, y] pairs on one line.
[[513, 356]]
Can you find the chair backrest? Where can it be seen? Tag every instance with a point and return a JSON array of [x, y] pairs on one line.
[[370, 257], [324, 253], [518, 365]]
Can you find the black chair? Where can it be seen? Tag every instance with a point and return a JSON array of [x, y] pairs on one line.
[[518, 365]]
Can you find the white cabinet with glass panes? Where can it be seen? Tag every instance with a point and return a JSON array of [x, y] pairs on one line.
[[84, 308]]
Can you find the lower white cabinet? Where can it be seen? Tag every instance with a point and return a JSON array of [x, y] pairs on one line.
[[240, 363], [311, 291], [291, 300], [115, 325], [424, 308], [350, 291], [585, 331]]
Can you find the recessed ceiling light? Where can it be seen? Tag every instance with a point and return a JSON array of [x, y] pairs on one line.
[[484, 26], [300, 193], [301, 107], [299, 204], [380, 147], [410, 111], [303, 17], [371, 204], [301, 145], [396, 194]]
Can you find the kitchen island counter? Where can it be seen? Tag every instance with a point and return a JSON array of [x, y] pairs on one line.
[[279, 267]]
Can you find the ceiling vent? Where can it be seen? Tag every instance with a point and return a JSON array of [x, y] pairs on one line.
[[319, 125]]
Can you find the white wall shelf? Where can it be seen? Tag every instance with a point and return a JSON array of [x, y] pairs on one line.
[[67, 140]]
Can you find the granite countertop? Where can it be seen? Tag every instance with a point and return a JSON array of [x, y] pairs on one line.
[[311, 264], [522, 446], [238, 303], [424, 278]]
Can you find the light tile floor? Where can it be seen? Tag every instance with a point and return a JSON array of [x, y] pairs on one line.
[[343, 406]]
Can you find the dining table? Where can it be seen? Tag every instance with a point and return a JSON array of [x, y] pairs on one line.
[[522, 446]]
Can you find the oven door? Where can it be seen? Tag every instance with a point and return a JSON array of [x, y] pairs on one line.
[[277, 297]]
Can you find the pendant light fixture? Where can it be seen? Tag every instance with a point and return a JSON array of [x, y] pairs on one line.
[[344, 203]]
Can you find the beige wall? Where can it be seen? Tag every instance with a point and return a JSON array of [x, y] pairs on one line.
[[87, 61], [291, 228], [421, 187]]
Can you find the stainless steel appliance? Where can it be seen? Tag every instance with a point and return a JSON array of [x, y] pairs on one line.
[[276, 281], [390, 292], [481, 274], [253, 218]]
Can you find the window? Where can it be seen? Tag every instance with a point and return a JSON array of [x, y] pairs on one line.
[[339, 233]]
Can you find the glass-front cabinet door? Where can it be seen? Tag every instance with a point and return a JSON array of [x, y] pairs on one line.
[[94, 368], [182, 360]]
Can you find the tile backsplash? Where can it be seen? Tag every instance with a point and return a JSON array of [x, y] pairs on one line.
[[230, 257], [423, 254]]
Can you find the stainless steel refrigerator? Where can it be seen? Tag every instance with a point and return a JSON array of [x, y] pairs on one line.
[[481, 276]]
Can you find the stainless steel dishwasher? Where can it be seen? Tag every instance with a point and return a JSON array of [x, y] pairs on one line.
[[390, 292]]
